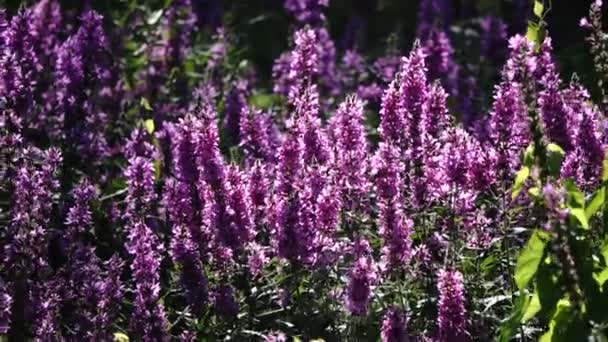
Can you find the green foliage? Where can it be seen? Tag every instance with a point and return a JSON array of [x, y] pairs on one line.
[[529, 259]]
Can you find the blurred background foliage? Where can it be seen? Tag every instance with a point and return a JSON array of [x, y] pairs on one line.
[[260, 27]]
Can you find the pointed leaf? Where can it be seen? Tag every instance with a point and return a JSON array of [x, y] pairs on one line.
[[529, 259], [149, 124], [580, 216], [595, 203], [533, 308], [555, 155], [538, 8], [520, 179], [120, 337]]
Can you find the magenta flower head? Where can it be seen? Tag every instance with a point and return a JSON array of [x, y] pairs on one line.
[[451, 313], [20, 64], [522, 62], [307, 11], [394, 326], [439, 59], [148, 320], [394, 227], [361, 281], [557, 119], [304, 61], [352, 159], [509, 130], [392, 121]]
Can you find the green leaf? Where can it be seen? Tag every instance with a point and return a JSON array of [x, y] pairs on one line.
[[580, 216], [120, 337], [154, 17], [576, 198], [532, 33], [145, 104], [601, 277], [529, 156], [565, 325], [263, 100], [530, 257], [149, 124], [534, 192], [561, 314], [604, 251], [532, 309], [595, 203], [520, 178], [555, 155], [605, 166], [509, 327], [538, 8]]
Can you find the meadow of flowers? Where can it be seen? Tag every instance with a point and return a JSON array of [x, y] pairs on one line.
[[157, 185]]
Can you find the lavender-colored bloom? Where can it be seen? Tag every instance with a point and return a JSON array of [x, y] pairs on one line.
[[234, 105], [584, 162], [394, 227], [19, 64], [439, 53], [139, 145], [387, 67], [79, 218], [522, 62], [313, 57], [148, 321], [304, 61], [47, 305], [46, 21], [185, 252], [178, 22], [509, 132], [224, 301], [351, 153], [31, 212], [555, 115], [307, 11], [392, 121], [327, 209], [208, 157], [451, 313], [256, 136], [436, 116], [308, 125], [258, 191], [257, 259], [432, 14], [413, 92], [275, 336], [371, 92], [6, 302], [394, 326], [140, 195], [361, 280], [82, 68], [454, 157], [241, 229], [285, 217], [492, 38], [109, 292], [183, 150]]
